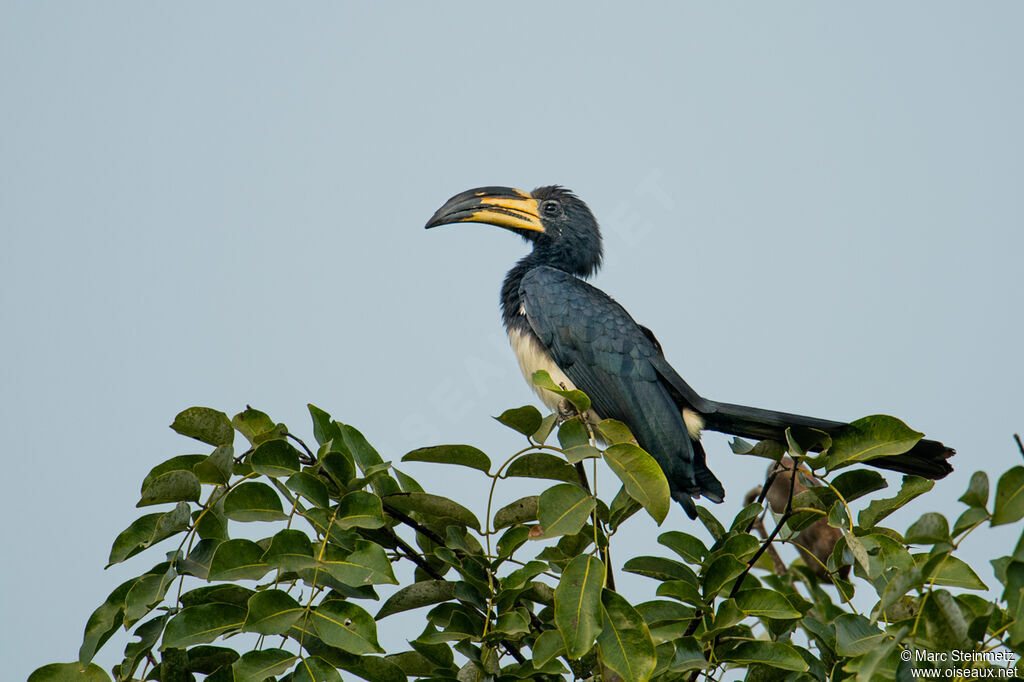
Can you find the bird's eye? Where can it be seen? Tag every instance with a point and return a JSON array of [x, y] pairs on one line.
[[550, 208]]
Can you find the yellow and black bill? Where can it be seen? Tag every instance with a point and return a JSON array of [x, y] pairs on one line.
[[505, 207]]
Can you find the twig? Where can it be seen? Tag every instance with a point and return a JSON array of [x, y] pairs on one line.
[[413, 556], [777, 562], [1020, 445], [775, 531], [310, 458], [415, 525]]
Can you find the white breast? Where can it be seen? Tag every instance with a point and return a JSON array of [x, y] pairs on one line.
[[533, 357]]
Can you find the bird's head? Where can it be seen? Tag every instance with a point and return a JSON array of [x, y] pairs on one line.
[[563, 231]]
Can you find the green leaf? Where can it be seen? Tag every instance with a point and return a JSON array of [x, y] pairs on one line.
[[689, 655], [773, 654], [542, 465], [613, 431], [625, 643], [1009, 504], [865, 439], [149, 530], [376, 669], [367, 565], [578, 453], [977, 490], [253, 501], [148, 590], [547, 425], [572, 432], [855, 635], [944, 621], [743, 519], [710, 522], [290, 550], [642, 478], [69, 672], [104, 622], [662, 612], [346, 626], [173, 486], [218, 594], [134, 652], [275, 458], [857, 483], [463, 455], [971, 517], [526, 419], [512, 623], [623, 507], [324, 430], [683, 590], [434, 507], [511, 540], [548, 645], [578, 399], [257, 427], [881, 663], [520, 511], [272, 612], [764, 603], [416, 595], [685, 545], [720, 572], [197, 563], [800, 440], [563, 509], [201, 624], [660, 568], [879, 509], [522, 577], [360, 509], [767, 449], [309, 487], [578, 604], [205, 424], [339, 466], [256, 666], [407, 483], [315, 669], [740, 545], [367, 458], [217, 467], [928, 529], [238, 560], [179, 463], [952, 572]]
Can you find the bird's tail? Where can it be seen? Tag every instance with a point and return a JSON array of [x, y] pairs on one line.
[[927, 458]]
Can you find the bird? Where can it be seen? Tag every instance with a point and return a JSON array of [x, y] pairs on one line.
[[558, 322]]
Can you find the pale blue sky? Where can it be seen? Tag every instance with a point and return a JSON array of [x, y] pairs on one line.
[[816, 208]]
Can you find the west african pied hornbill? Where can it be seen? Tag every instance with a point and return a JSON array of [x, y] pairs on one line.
[[584, 339]]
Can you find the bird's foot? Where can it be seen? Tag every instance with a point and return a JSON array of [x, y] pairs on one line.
[[566, 410]]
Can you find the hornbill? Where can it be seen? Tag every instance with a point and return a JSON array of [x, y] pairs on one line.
[[584, 339]]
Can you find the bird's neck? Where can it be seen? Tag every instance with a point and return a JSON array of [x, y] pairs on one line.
[[511, 299]]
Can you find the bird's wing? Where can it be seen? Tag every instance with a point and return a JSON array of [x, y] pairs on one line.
[[608, 356]]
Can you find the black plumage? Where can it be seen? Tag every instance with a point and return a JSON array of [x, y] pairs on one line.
[[556, 319]]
